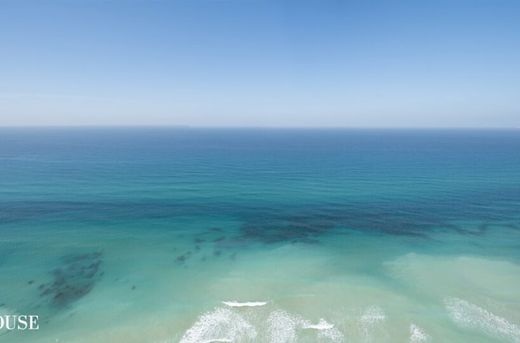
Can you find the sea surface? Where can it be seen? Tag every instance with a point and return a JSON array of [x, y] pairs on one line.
[[159, 235]]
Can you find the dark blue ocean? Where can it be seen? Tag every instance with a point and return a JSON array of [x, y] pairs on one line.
[[260, 235]]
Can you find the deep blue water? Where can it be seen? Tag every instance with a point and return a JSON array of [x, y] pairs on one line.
[[399, 181]]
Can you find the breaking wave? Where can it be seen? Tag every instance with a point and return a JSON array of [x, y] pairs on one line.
[[262, 324], [278, 326], [322, 325], [220, 325], [244, 304], [471, 316], [417, 335]]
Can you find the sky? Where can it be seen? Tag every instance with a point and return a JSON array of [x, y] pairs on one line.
[[260, 63]]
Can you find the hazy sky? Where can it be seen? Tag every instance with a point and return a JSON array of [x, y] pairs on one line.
[[452, 63]]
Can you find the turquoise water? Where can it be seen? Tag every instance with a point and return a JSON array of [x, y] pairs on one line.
[[234, 235]]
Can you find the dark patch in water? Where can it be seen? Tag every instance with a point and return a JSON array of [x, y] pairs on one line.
[[219, 239], [30, 282], [74, 279], [133, 287], [217, 253], [308, 224], [199, 240], [272, 233], [183, 258]]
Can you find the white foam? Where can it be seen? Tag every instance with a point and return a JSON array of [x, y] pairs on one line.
[[282, 327], [470, 316], [322, 325], [220, 325], [325, 329], [229, 325], [334, 335], [244, 304], [373, 316], [417, 335]]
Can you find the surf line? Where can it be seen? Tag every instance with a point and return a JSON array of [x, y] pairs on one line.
[[322, 325], [244, 304]]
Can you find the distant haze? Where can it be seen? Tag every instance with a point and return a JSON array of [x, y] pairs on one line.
[[440, 63]]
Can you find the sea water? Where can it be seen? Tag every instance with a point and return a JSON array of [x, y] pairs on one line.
[[158, 235]]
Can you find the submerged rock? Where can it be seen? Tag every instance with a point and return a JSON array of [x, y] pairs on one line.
[[183, 258], [73, 279]]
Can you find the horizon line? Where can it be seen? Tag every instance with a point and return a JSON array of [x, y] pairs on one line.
[[172, 126]]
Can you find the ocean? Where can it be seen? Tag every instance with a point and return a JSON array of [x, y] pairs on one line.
[[158, 235]]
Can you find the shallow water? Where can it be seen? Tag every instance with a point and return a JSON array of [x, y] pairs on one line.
[[191, 235]]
